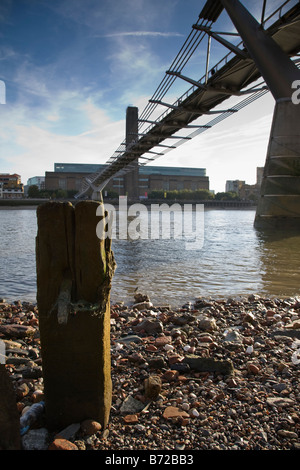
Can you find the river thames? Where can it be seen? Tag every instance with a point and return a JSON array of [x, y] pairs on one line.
[[233, 260]]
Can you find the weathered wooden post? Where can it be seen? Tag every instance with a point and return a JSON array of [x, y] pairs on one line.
[[74, 272]]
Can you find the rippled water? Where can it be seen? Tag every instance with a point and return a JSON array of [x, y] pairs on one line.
[[235, 260]]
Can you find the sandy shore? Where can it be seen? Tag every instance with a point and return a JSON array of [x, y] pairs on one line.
[[212, 375]]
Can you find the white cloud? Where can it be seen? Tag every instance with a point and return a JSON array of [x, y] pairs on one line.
[[142, 34]]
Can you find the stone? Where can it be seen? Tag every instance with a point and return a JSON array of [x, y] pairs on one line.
[[253, 368], [157, 362], [207, 324], [162, 341], [69, 432], [151, 348], [207, 364], [182, 320], [174, 412], [152, 387], [233, 336], [130, 339], [22, 390], [280, 401], [90, 427], [139, 298], [293, 325], [131, 406], [80, 444], [143, 306], [150, 326], [175, 359], [131, 419], [180, 367], [62, 444], [292, 333], [17, 331], [32, 372], [250, 318], [287, 434], [37, 396], [36, 439], [170, 375]]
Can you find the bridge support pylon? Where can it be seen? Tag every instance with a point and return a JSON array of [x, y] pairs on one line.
[[279, 203]]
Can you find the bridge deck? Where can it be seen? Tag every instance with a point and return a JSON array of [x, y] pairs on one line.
[[235, 75]]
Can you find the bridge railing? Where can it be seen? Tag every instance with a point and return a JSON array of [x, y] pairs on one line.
[[222, 62]]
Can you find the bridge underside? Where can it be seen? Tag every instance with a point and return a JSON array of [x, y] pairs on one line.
[[280, 196]]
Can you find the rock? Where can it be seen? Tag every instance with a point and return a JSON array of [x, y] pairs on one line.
[[131, 419], [174, 412], [157, 362], [207, 324], [280, 401], [151, 348], [136, 358], [279, 387], [180, 367], [131, 406], [140, 428], [32, 372], [182, 320], [139, 298], [80, 444], [291, 333], [293, 325], [130, 339], [62, 444], [36, 439], [143, 306], [152, 387], [69, 432], [170, 375], [253, 368], [162, 341], [287, 434], [37, 396], [206, 364], [194, 413], [233, 336], [175, 359], [22, 390], [90, 427], [17, 331], [250, 318], [150, 326]]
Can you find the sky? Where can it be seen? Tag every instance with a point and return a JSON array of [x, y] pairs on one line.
[[70, 68]]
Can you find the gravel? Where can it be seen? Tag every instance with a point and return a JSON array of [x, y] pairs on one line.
[[214, 374]]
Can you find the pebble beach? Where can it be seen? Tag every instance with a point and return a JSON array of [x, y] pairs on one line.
[[214, 374]]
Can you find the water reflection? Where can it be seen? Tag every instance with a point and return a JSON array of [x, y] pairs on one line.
[[235, 259], [279, 252]]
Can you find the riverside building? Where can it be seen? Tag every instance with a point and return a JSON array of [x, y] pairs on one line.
[[68, 176]]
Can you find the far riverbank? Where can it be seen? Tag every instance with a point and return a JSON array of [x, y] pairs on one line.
[[34, 203]]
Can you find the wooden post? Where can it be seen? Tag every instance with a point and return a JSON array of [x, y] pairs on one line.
[[74, 272]]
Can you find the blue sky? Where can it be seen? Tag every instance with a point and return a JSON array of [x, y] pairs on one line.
[[71, 68]]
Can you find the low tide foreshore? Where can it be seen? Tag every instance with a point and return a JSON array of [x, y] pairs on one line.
[[208, 375]]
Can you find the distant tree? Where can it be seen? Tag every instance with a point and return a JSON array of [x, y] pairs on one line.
[[61, 194], [228, 196], [33, 191]]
